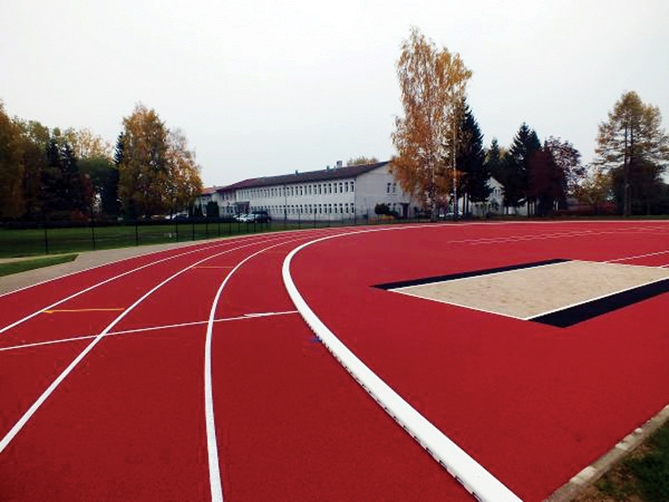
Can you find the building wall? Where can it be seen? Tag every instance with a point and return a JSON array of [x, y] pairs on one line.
[[335, 199], [309, 200], [379, 187]]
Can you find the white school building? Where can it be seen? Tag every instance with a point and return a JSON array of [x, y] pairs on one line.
[[350, 192]]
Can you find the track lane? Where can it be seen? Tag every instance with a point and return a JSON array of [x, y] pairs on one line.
[[291, 423], [129, 398], [28, 332], [19, 306], [491, 383]]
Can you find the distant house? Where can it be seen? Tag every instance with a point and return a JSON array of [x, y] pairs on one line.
[[332, 193]]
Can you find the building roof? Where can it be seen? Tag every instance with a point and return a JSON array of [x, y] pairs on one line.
[[209, 190], [306, 177]]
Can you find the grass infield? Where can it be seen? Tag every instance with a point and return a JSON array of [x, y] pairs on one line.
[[23, 265]]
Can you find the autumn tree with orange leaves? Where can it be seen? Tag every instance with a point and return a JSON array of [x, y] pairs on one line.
[[432, 83], [157, 170]]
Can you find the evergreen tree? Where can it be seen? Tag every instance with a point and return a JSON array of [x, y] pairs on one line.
[[494, 159], [546, 181], [471, 160], [516, 166]]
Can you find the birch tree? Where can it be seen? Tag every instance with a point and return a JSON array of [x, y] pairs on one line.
[[432, 84]]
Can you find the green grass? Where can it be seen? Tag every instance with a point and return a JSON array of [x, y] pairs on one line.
[[32, 242], [16, 267], [645, 474]]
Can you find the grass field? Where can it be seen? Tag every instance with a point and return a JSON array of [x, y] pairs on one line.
[[24, 265], [643, 475], [37, 241]]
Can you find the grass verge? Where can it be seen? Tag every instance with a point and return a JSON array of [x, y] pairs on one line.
[[15, 267], [642, 476]]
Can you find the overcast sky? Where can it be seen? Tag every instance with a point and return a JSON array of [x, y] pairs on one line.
[[266, 87]]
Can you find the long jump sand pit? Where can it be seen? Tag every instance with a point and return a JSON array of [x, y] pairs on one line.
[[530, 292]]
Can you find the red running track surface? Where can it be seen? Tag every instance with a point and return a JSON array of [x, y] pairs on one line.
[[533, 404]]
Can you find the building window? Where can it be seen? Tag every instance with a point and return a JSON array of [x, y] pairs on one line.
[[352, 186], [388, 188], [341, 187], [329, 187], [394, 187]]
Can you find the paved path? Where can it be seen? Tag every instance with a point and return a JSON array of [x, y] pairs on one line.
[[84, 260]]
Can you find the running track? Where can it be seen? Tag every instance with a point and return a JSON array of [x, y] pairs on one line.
[[189, 375]]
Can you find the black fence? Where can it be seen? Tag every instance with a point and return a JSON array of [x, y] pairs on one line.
[[25, 239]]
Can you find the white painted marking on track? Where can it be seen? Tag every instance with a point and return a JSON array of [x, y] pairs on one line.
[[215, 484], [244, 317], [54, 385], [101, 283], [478, 481], [637, 256]]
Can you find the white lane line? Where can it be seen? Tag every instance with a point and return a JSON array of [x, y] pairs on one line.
[[215, 483], [478, 481], [637, 256], [94, 286], [45, 395], [244, 317]]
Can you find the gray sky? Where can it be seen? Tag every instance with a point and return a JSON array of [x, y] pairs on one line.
[[263, 88]]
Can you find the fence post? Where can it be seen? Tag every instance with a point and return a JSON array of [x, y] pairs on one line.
[[193, 229], [93, 231], [136, 233], [46, 238]]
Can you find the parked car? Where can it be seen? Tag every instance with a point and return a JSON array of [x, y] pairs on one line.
[[242, 218], [260, 217]]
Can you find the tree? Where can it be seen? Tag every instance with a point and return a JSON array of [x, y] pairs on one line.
[[546, 184], [11, 168], [184, 174], [157, 170], [494, 158], [471, 160], [35, 139], [143, 171], [514, 174], [103, 177], [594, 187], [65, 193], [432, 85], [86, 144], [568, 160], [630, 139], [361, 161]]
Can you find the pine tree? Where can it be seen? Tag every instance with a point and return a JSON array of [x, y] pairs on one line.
[[471, 160], [516, 166]]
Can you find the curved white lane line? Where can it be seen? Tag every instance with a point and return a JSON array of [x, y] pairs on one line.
[[110, 279], [459, 464], [215, 483], [45, 395]]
